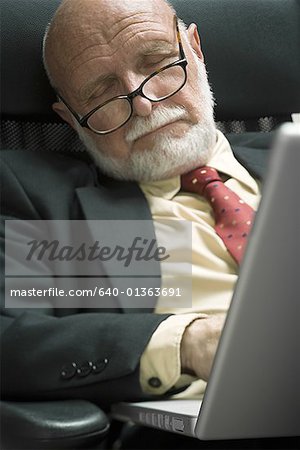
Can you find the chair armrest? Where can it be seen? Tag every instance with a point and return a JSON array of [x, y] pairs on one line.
[[53, 424]]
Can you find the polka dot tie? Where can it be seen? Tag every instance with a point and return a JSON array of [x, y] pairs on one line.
[[233, 217]]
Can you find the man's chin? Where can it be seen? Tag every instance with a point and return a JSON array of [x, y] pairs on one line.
[[146, 166]]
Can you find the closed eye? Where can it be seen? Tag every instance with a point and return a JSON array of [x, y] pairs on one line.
[[102, 94], [158, 62]]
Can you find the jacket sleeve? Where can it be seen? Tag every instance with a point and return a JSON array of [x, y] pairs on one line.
[[82, 355]]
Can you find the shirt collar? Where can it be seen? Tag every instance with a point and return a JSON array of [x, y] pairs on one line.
[[164, 188], [222, 159]]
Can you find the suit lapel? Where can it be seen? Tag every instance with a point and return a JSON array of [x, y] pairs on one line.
[[113, 201], [254, 161], [117, 201], [252, 150]]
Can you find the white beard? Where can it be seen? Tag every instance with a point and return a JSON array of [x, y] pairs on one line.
[[168, 155]]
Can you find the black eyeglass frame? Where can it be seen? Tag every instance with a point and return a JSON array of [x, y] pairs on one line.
[[182, 62]]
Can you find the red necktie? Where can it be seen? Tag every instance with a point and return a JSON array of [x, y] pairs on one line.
[[233, 217]]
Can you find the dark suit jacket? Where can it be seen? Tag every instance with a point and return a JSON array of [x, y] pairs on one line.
[[37, 346]]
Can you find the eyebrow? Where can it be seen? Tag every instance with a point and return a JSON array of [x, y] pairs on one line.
[[156, 47], [147, 49]]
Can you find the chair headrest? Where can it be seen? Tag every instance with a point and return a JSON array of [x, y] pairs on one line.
[[251, 49], [26, 93]]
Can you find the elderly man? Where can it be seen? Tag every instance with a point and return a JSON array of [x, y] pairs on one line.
[[94, 53], [131, 80]]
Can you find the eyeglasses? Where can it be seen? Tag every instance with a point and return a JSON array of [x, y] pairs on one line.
[[115, 112]]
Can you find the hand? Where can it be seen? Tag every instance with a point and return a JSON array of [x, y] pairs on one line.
[[199, 344]]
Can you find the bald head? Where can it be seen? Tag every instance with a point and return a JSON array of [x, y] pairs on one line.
[[80, 26]]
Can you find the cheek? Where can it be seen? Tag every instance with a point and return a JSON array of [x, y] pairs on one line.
[[188, 97], [113, 144], [192, 83]]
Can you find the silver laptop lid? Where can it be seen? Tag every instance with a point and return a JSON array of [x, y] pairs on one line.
[[254, 389]]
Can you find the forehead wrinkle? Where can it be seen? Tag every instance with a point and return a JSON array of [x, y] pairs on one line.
[[149, 16], [126, 18], [144, 39], [108, 42], [96, 45], [140, 22]]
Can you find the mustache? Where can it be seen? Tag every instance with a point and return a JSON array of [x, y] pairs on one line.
[[159, 117]]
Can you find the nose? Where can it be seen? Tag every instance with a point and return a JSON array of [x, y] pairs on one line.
[[141, 106]]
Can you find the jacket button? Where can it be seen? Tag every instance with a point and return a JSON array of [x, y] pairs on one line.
[[84, 369], [154, 382], [99, 365], [68, 371]]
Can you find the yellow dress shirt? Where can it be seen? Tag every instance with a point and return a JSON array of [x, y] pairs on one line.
[[213, 275]]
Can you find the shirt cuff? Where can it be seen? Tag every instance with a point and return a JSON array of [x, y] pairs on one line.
[[160, 367]]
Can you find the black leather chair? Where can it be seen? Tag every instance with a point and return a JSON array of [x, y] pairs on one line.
[[251, 49], [252, 53]]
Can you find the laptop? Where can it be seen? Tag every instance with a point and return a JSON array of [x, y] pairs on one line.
[[254, 386]]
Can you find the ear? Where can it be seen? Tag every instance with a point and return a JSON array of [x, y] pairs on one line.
[[194, 40], [63, 112]]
